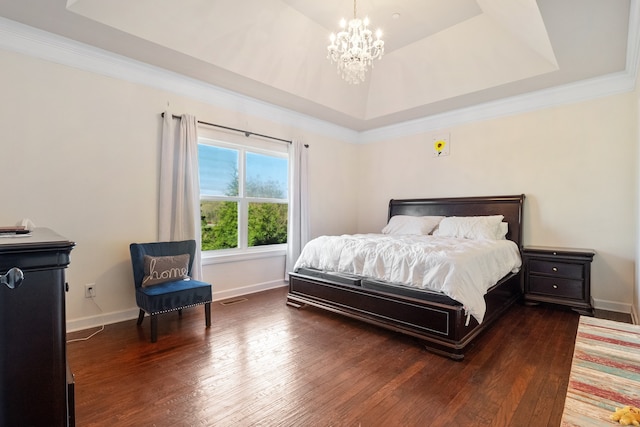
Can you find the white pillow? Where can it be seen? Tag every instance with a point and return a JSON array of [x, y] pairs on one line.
[[407, 224], [502, 231], [473, 227]]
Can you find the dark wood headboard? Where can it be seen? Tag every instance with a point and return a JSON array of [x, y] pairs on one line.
[[509, 206]]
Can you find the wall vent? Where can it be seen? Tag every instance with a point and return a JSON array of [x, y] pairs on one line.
[[233, 301]]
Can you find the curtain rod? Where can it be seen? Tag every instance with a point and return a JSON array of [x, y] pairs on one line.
[[246, 132]]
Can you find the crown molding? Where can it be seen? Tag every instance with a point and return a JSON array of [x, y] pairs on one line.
[[30, 41], [37, 43], [585, 90], [608, 85]]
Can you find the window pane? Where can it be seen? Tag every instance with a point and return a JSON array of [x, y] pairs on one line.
[[219, 225], [266, 176], [218, 170], [267, 223]]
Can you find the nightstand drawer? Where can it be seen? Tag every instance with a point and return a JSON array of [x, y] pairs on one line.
[[557, 269], [556, 287]]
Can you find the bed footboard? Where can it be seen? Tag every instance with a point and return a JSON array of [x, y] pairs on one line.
[[443, 328]]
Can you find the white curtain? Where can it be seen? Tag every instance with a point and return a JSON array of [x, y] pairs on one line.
[[179, 206], [298, 222]]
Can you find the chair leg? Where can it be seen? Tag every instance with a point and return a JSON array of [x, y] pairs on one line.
[[207, 314], [154, 328], [140, 317]]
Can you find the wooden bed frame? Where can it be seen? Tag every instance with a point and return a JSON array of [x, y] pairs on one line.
[[441, 324]]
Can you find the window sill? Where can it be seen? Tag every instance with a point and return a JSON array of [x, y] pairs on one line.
[[226, 256]]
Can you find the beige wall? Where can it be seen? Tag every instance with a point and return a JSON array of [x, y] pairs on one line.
[[576, 164], [80, 156]]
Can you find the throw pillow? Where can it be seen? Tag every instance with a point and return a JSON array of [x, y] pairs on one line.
[[162, 269]]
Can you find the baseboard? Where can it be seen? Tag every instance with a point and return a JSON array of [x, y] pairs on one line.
[[634, 316], [612, 306], [121, 316], [246, 290], [101, 319]]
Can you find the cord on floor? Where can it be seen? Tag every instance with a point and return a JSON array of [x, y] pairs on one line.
[[93, 334]]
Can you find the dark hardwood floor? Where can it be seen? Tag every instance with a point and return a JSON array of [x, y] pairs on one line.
[[263, 363]]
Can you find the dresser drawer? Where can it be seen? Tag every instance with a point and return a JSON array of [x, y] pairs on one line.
[[556, 287], [557, 269]]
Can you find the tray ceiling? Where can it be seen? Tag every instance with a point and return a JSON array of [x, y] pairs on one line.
[[439, 55]]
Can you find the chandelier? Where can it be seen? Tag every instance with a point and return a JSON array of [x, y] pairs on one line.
[[354, 49]]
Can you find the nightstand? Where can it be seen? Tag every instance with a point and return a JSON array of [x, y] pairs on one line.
[[559, 276]]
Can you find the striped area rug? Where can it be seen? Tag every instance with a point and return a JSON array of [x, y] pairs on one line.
[[605, 372]]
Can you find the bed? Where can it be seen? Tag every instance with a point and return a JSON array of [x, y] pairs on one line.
[[442, 323]]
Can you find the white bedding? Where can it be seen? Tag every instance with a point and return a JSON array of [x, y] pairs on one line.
[[462, 269]]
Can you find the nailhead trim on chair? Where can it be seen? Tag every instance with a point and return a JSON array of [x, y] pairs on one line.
[[176, 309]]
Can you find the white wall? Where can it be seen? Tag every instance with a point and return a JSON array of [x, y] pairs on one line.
[[80, 155], [576, 164]]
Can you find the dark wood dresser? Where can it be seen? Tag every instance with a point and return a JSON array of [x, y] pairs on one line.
[[35, 383], [559, 276]]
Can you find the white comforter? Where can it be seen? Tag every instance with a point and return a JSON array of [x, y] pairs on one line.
[[463, 269]]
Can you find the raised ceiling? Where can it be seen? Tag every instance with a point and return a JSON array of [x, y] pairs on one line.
[[439, 55]]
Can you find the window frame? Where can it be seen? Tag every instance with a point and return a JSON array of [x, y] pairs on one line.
[[243, 251]]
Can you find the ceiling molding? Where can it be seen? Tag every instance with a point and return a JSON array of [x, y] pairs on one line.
[[30, 41], [33, 42], [612, 84]]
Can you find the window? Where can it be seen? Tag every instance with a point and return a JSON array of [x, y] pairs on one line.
[[243, 196]]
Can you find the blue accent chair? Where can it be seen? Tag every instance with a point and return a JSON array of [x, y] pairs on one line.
[[169, 296]]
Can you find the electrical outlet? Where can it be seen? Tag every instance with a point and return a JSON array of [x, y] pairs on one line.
[[90, 290]]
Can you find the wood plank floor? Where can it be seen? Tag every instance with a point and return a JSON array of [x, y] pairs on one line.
[[263, 363]]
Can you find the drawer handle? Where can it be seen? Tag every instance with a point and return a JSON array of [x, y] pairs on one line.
[[555, 286], [13, 278], [554, 269]]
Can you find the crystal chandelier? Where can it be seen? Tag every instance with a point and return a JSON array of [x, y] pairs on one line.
[[354, 49]]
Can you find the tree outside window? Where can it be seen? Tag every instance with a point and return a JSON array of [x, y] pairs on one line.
[[243, 197]]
